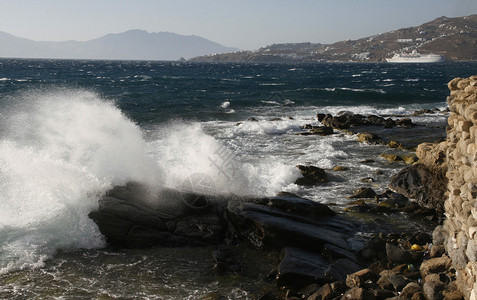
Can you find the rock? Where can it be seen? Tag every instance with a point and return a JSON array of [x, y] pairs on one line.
[[340, 168], [435, 265], [339, 269], [383, 294], [363, 192], [270, 226], [383, 280], [394, 144], [398, 282], [324, 293], [439, 235], [405, 122], [433, 290], [410, 289], [437, 251], [418, 296], [252, 119], [410, 159], [397, 255], [358, 279], [391, 157], [358, 294], [311, 176], [300, 267], [417, 182], [308, 290], [420, 238], [454, 295], [368, 137]]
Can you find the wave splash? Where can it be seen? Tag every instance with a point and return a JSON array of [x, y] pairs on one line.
[[59, 153]]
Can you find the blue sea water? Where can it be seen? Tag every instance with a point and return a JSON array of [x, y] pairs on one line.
[[71, 129]]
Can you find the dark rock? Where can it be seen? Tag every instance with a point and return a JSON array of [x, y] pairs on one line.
[[269, 226], [397, 255], [398, 282], [308, 290], [406, 122], [433, 290], [226, 261], [324, 293], [311, 176], [252, 119], [339, 269], [420, 238], [419, 183], [358, 294], [383, 294], [363, 192], [299, 267], [358, 279]]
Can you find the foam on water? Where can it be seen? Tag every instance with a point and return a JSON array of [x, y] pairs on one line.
[[183, 150], [59, 153]]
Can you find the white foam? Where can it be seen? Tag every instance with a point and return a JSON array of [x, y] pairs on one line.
[[59, 153], [183, 149]]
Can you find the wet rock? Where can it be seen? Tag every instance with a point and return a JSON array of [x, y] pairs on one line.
[[383, 294], [340, 168], [391, 157], [299, 267], [252, 119], [417, 182], [311, 176], [363, 192], [368, 137]]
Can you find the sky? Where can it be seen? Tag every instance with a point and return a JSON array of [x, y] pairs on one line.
[[244, 24]]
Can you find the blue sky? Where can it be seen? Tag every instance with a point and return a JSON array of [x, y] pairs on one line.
[[244, 24]]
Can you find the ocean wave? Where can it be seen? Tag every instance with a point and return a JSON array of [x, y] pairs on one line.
[[59, 153]]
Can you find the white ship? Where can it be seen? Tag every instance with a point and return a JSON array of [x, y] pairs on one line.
[[415, 57]]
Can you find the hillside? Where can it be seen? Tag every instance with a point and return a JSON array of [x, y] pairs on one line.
[[132, 44], [455, 38]]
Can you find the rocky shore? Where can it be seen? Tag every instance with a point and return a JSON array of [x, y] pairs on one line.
[[316, 257]]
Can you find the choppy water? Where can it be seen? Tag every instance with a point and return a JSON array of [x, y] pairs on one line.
[[70, 130]]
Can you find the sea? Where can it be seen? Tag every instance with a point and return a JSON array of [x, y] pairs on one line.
[[70, 130]]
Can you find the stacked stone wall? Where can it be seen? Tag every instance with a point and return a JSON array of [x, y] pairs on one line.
[[461, 197]]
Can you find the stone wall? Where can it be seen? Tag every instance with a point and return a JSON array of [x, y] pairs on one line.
[[461, 197]]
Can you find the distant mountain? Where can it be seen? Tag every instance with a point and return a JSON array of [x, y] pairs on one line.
[[455, 38], [130, 45]]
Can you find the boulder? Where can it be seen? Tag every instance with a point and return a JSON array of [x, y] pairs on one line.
[[363, 192], [311, 176], [435, 265], [433, 290], [299, 267], [358, 294], [368, 137], [396, 255], [418, 183]]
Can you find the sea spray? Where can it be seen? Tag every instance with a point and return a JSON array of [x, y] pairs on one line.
[[186, 153], [59, 153]]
